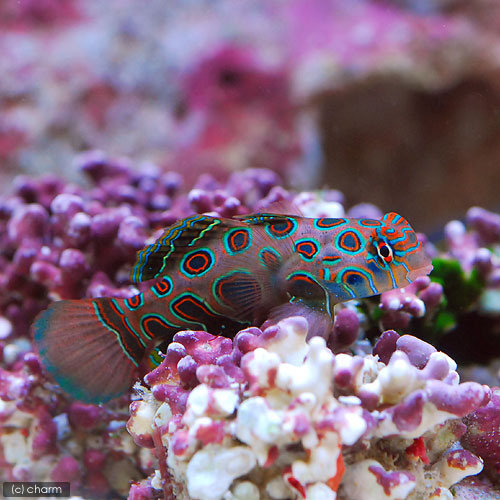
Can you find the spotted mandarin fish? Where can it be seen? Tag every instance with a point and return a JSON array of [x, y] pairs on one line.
[[221, 275]]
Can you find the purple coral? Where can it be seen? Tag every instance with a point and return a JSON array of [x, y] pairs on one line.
[[483, 433], [345, 330], [400, 305], [487, 224], [55, 235]]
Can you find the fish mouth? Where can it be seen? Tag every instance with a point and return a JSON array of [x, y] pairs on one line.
[[421, 271]]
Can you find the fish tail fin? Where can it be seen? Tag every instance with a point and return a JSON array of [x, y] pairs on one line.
[[89, 347]]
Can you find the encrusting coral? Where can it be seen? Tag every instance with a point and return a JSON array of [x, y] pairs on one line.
[[365, 413]]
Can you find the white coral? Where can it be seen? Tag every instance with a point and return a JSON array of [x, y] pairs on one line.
[[313, 376], [281, 434], [361, 483], [212, 470]]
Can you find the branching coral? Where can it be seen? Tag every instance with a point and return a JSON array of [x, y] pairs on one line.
[[273, 417]]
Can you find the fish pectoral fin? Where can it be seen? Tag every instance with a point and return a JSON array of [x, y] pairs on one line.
[[319, 321], [281, 207], [239, 290], [337, 291]]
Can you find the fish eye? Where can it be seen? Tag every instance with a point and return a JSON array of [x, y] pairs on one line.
[[385, 252]]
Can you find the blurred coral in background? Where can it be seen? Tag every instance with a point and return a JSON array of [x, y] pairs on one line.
[[346, 93], [119, 118]]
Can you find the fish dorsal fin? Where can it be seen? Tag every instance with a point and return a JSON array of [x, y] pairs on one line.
[[153, 260], [284, 207], [195, 231], [264, 218]]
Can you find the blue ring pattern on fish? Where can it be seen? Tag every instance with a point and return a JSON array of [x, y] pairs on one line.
[[198, 262], [327, 223], [369, 223], [307, 248], [152, 325], [349, 278], [350, 241], [237, 241], [134, 302], [163, 287], [281, 228]]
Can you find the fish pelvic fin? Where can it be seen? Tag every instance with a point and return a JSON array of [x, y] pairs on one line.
[[320, 323]]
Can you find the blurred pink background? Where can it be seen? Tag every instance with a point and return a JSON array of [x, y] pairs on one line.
[[392, 102]]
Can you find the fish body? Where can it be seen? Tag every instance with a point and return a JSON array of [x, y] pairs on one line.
[[222, 275]]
